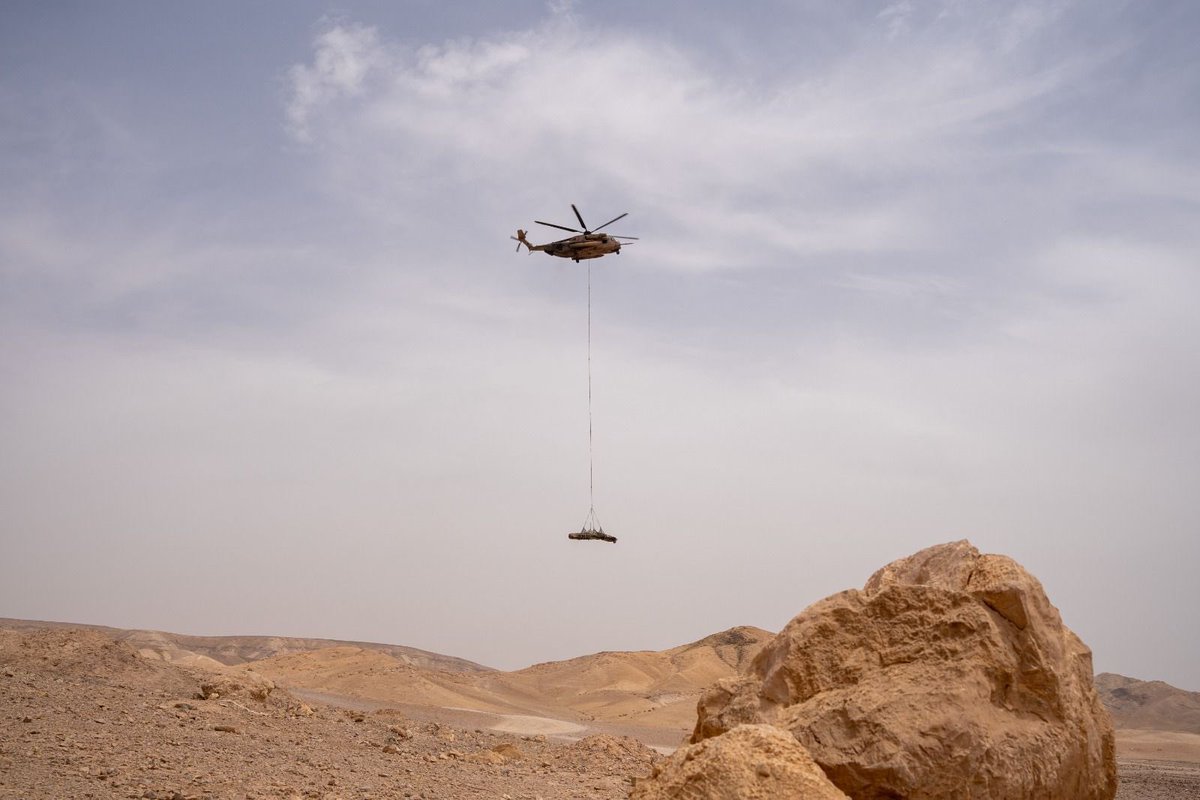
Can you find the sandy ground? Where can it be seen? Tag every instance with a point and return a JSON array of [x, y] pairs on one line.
[[1158, 764], [664, 740], [1158, 745]]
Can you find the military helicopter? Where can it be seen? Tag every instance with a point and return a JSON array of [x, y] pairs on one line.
[[587, 244]]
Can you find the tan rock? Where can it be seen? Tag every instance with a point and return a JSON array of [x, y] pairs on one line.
[[751, 762], [950, 675], [508, 751], [622, 748], [241, 684], [487, 757]]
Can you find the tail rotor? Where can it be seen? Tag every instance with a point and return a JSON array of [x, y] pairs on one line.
[[521, 240]]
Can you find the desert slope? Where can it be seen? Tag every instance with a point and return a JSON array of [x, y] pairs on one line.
[[1149, 705], [367, 674], [648, 688], [209, 651]]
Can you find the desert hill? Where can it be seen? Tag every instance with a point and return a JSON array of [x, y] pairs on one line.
[[210, 651], [1149, 705], [649, 688], [357, 672]]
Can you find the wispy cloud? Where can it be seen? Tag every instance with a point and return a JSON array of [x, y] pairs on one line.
[[343, 57]]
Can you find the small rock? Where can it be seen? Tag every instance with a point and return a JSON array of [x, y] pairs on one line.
[[225, 728], [720, 767], [508, 750], [261, 692]]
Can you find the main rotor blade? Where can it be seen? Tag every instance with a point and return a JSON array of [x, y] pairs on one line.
[[614, 236], [560, 227], [582, 224], [611, 221]]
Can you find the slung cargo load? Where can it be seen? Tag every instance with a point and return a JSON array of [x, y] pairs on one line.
[[592, 530], [594, 535]]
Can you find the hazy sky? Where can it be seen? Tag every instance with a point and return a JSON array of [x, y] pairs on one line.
[[909, 272]]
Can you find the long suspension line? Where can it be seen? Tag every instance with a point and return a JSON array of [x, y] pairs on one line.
[[591, 467], [592, 529]]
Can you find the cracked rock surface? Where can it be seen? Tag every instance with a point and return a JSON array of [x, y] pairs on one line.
[[948, 675]]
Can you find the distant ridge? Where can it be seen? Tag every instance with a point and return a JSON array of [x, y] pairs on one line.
[[1149, 705], [234, 650], [657, 688], [647, 688]]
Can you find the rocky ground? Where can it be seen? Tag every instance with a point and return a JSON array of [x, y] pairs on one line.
[[1158, 780], [84, 716]]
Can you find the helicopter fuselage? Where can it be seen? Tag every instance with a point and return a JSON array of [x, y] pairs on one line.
[[586, 243], [577, 248]]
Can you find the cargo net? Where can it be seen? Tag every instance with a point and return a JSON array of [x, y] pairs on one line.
[[592, 529]]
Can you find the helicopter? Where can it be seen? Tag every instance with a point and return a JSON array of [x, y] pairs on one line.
[[587, 244]]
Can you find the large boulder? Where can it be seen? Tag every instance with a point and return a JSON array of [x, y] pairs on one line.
[[949, 675], [752, 762]]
